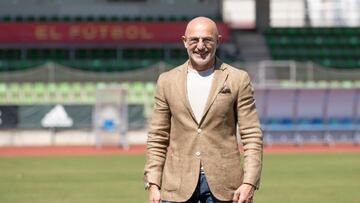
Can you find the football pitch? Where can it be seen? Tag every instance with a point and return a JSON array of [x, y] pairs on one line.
[[287, 178]]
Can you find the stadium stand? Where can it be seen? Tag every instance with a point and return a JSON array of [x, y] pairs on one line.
[[290, 115], [69, 93], [337, 47], [93, 59]]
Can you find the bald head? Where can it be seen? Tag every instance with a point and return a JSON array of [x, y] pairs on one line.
[[201, 39], [203, 23]]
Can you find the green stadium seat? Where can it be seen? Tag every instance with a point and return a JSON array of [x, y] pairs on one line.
[[89, 89], [2, 87], [61, 54], [137, 19], [15, 89], [161, 19], [218, 18], [114, 18], [26, 93], [78, 19], [11, 54], [3, 54], [335, 84], [357, 84], [347, 84], [7, 18], [184, 18], [125, 85], [33, 54], [64, 89], [108, 54], [311, 84], [329, 46], [19, 18], [81, 54], [149, 19], [150, 87], [54, 18], [102, 18], [66, 18], [173, 18], [51, 92], [136, 93], [125, 18], [178, 54], [101, 85], [40, 91], [90, 18], [30, 18], [3, 93], [43, 19], [322, 84]]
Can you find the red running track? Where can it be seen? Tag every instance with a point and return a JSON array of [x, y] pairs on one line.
[[140, 149]]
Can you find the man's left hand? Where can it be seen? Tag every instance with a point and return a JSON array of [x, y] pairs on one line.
[[244, 194]]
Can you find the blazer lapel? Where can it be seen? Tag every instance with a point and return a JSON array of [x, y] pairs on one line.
[[182, 91], [220, 76]]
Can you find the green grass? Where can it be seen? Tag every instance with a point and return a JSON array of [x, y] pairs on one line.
[[72, 179], [287, 178]]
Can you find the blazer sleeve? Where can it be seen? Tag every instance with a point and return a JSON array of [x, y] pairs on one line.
[[250, 133], [158, 136]]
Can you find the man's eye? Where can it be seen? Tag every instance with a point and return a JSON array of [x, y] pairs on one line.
[[208, 41]]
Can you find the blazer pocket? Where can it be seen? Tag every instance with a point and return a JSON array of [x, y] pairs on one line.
[[171, 173], [224, 96]]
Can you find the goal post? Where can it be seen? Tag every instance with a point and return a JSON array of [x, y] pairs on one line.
[[110, 117]]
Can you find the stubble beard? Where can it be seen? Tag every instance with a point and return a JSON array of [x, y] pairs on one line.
[[201, 61]]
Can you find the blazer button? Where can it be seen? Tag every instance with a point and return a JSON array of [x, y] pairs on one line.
[[199, 130], [198, 153]]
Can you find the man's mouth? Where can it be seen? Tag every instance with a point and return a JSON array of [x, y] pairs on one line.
[[201, 55]]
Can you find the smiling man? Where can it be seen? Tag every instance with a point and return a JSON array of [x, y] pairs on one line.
[[192, 149]]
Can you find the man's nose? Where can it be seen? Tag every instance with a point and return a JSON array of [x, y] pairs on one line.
[[200, 44]]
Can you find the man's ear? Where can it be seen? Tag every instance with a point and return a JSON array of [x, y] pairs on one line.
[[219, 40], [184, 41]]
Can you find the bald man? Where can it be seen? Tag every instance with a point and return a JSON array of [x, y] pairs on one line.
[[192, 149]]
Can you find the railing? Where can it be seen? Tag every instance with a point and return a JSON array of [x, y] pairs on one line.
[[270, 73]]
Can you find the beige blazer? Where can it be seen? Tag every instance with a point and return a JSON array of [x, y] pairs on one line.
[[177, 143]]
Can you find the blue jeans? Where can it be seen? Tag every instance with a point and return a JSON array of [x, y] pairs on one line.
[[202, 193]]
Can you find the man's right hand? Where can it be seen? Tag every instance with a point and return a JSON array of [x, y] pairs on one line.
[[154, 194]]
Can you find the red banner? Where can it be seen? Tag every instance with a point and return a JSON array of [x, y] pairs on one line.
[[96, 32]]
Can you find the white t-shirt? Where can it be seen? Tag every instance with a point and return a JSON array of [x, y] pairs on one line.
[[198, 89]]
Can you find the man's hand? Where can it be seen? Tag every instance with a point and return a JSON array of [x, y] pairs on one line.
[[244, 194], [154, 194]]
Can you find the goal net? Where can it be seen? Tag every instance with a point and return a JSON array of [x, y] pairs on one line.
[[110, 121]]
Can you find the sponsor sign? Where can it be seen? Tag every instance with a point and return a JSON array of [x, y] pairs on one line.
[[96, 32]]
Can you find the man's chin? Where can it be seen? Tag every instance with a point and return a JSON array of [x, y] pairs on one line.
[[201, 61]]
